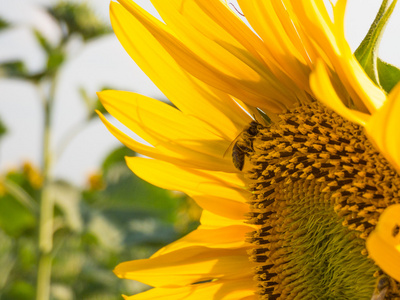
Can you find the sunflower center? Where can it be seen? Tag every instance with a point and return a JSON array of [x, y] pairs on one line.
[[318, 189]]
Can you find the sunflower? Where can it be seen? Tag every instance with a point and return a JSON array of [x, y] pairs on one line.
[[281, 138]]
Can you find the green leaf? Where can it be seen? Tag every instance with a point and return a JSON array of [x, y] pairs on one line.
[[21, 195], [3, 129], [99, 107], [117, 156], [43, 41], [21, 290], [80, 19], [15, 219], [13, 69], [54, 61], [3, 24], [367, 52], [389, 75], [67, 200]]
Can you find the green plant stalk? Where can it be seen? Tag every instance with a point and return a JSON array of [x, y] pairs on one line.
[[44, 277], [46, 204]]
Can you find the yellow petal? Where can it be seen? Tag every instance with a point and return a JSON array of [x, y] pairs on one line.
[[187, 266], [221, 290], [272, 23], [289, 78], [218, 205], [153, 152], [322, 86], [191, 181], [222, 20], [209, 220], [207, 26], [131, 143], [383, 244], [215, 190], [215, 108], [196, 27], [219, 68], [383, 128], [329, 40], [228, 237], [169, 130]]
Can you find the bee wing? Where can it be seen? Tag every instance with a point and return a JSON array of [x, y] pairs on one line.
[[379, 295], [230, 148]]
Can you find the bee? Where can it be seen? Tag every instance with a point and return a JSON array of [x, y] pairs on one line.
[[381, 288], [243, 144], [386, 288]]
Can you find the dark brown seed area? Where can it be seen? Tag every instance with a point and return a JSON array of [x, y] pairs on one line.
[[313, 154]]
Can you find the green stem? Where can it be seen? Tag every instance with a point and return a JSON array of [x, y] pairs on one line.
[[46, 205], [44, 277]]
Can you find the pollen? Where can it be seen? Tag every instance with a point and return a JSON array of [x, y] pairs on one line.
[[318, 188]]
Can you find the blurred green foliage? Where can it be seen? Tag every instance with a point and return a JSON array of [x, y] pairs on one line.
[[118, 217], [3, 129], [13, 69], [3, 24], [115, 218], [382, 73], [79, 19]]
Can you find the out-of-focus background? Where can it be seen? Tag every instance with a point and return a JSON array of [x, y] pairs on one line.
[[99, 62], [54, 56], [57, 55]]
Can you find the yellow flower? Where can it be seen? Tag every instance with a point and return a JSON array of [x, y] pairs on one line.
[[33, 175], [95, 181], [288, 218]]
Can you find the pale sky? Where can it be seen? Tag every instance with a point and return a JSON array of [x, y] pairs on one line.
[[102, 62]]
